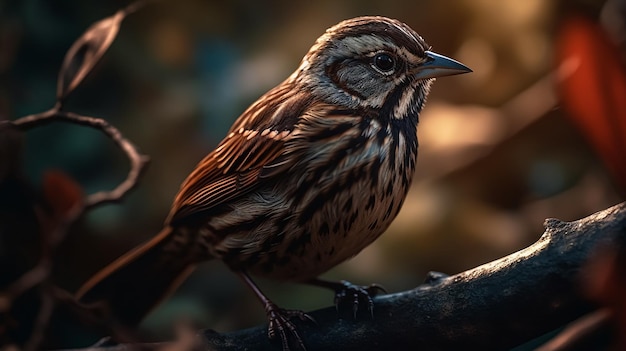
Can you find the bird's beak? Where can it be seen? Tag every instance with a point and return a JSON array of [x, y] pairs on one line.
[[438, 66]]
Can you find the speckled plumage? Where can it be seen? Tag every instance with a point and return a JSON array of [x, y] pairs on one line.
[[323, 161], [309, 175]]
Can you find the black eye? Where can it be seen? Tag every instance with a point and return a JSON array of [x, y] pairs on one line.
[[384, 62]]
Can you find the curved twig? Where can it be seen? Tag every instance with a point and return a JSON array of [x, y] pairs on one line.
[[137, 160], [78, 63]]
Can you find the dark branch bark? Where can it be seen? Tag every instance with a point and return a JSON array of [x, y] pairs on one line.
[[492, 307], [495, 306]]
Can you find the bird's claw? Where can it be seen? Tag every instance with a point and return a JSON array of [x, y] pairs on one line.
[[280, 325], [357, 295]]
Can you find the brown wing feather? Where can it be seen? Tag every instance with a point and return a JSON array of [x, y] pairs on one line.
[[229, 171], [256, 139]]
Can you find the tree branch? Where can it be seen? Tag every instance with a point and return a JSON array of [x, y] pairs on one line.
[[498, 305], [495, 306]]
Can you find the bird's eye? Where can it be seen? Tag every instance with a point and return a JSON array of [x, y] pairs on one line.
[[384, 62]]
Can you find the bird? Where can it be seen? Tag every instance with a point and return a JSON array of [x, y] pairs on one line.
[[308, 176]]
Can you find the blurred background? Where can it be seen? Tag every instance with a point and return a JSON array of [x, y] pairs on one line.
[[537, 130]]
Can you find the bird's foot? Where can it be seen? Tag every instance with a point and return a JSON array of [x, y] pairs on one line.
[[347, 293], [281, 326]]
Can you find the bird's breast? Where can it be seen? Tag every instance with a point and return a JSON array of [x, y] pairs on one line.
[[336, 213], [316, 217]]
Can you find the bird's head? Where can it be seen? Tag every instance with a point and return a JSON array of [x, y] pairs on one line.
[[373, 62]]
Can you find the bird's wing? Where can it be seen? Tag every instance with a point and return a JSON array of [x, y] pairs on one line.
[[256, 139]]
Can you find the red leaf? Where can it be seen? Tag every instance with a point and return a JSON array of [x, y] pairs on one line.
[[61, 193], [592, 86]]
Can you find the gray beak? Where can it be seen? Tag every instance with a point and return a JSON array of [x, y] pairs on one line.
[[438, 66]]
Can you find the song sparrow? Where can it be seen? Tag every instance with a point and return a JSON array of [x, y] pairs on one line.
[[308, 176]]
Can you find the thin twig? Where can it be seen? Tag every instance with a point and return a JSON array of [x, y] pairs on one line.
[[135, 6], [578, 332], [137, 160], [41, 322], [96, 40]]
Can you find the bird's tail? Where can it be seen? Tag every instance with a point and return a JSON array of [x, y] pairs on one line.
[[132, 285]]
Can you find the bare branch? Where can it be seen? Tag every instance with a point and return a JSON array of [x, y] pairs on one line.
[[583, 330], [495, 306], [79, 61], [137, 160]]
